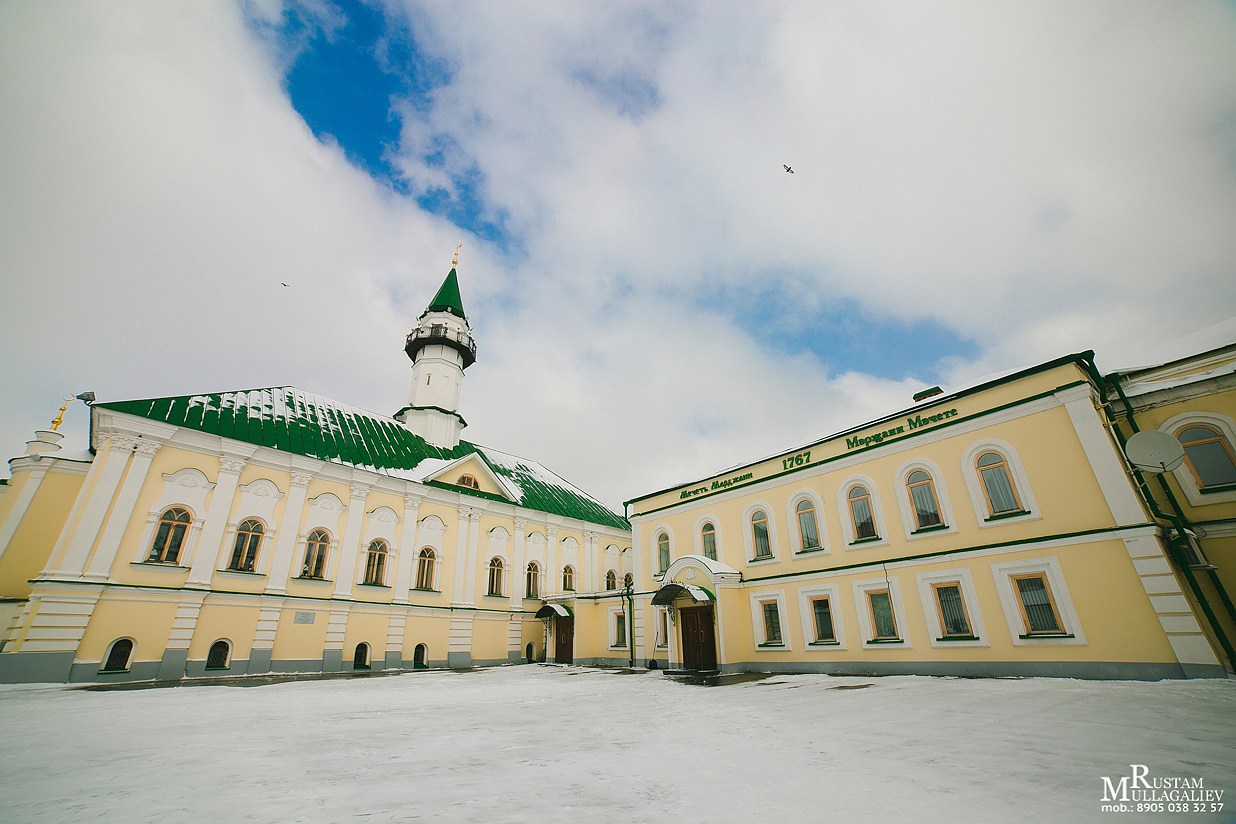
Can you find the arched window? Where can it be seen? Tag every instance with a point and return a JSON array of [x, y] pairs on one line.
[[245, 550], [808, 529], [118, 656], [468, 481], [568, 578], [627, 580], [1001, 494], [663, 552], [759, 535], [861, 514], [424, 569], [315, 554], [170, 536], [923, 500], [611, 580], [533, 582], [360, 658], [420, 657], [217, 658], [375, 562], [1210, 456], [495, 576], [708, 538]]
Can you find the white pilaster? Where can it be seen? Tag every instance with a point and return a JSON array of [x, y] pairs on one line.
[[281, 566], [81, 537], [518, 571], [205, 560], [349, 555], [460, 558], [1105, 460], [553, 571], [122, 513], [407, 549], [474, 537]]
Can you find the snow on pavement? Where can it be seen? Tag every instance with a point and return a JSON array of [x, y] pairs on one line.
[[557, 744]]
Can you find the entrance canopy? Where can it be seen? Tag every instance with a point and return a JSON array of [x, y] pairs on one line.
[[554, 609], [667, 594]]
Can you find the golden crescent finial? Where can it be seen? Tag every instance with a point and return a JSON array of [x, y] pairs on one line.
[[59, 419], [455, 260]]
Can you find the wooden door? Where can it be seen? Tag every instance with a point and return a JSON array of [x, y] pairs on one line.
[[699, 642], [564, 640]]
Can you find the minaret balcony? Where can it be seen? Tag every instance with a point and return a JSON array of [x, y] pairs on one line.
[[443, 335]]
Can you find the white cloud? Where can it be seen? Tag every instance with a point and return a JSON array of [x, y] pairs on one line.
[[1039, 178]]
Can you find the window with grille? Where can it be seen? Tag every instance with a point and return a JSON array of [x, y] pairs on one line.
[[620, 629], [424, 569], [951, 609], [468, 481], [1038, 607], [118, 656], [568, 578], [663, 552], [375, 562], [611, 580], [244, 551], [218, 656], [169, 536]]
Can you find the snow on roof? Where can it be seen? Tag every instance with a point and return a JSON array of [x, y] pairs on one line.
[[292, 420]]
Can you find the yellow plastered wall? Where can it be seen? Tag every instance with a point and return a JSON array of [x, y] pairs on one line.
[[429, 628], [489, 636], [148, 621], [35, 537], [234, 623], [301, 642], [366, 627]]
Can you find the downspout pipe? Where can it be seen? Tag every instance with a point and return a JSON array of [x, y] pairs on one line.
[[1178, 519]]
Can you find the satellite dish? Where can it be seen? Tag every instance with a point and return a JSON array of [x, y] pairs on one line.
[[1153, 451]]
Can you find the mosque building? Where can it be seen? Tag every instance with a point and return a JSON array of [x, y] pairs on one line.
[[1051, 522]]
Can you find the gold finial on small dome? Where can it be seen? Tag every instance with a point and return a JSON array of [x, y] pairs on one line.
[[59, 419], [455, 260]]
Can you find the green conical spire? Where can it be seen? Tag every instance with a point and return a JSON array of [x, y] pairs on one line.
[[448, 299]]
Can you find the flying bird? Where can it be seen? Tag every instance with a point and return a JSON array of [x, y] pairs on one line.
[[284, 284], [788, 170]]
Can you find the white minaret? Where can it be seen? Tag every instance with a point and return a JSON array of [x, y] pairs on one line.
[[441, 348]]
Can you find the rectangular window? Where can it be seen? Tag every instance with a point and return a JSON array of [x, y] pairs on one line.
[[620, 629], [822, 611], [883, 623], [663, 628], [772, 622], [1038, 608], [952, 610], [763, 549]]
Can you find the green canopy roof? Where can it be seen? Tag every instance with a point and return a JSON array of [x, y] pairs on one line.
[[447, 299], [291, 420]]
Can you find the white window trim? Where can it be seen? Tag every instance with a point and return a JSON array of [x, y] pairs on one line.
[[758, 599], [1017, 472], [877, 512], [614, 612], [748, 535], [699, 540], [863, 608], [927, 597], [807, 614], [791, 514], [1012, 606], [942, 499], [1184, 475]]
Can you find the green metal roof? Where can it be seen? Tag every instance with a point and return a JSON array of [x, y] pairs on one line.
[[291, 420], [447, 299]]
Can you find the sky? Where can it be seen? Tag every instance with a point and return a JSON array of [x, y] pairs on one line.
[[977, 187], [550, 744]]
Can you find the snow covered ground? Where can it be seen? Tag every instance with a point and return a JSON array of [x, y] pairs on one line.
[[550, 744]]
